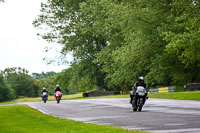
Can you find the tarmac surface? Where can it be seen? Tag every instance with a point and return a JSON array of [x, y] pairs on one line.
[[157, 115]]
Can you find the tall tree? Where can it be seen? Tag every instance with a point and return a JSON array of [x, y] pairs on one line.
[[6, 93], [66, 22], [114, 42], [21, 82]]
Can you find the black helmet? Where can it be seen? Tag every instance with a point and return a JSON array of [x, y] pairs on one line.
[[141, 79]]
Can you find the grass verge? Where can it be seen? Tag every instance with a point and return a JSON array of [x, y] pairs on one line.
[[38, 99], [23, 119], [189, 95]]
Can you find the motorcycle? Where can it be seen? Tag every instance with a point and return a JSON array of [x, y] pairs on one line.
[[44, 96], [139, 99], [58, 96]]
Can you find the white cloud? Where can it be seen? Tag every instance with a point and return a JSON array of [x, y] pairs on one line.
[[19, 44]]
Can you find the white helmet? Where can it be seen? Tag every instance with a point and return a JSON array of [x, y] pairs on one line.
[[57, 85], [141, 79]]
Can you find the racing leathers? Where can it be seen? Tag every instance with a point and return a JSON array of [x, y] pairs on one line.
[[134, 89]]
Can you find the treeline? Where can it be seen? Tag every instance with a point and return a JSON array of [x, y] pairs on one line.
[[43, 75], [16, 82], [114, 42]]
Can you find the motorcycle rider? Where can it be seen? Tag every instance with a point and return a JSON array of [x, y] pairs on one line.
[[44, 90], [57, 89], [140, 82]]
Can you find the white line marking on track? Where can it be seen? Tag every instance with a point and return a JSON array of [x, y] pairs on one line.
[[38, 109]]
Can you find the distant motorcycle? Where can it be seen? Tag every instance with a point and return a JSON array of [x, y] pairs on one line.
[[58, 96], [44, 96], [139, 98]]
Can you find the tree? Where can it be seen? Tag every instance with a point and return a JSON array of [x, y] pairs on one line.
[[114, 42], [83, 45], [21, 82], [50, 84], [182, 35], [6, 93]]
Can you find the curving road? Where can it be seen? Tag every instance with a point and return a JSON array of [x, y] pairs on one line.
[[158, 115]]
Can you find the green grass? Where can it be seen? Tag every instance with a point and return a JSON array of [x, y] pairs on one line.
[[38, 99], [23, 119], [189, 95]]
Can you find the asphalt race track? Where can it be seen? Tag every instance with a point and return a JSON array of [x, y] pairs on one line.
[[157, 116]]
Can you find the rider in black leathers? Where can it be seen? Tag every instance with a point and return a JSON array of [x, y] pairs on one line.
[[140, 82], [44, 90], [57, 89]]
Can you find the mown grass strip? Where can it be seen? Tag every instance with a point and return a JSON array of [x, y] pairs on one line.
[[38, 99], [23, 119], [190, 95]]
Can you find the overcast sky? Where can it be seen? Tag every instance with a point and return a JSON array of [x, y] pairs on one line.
[[19, 44]]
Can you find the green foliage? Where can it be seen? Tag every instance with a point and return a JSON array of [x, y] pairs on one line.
[[6, 93], [77, 78], [114, 42], [49, 83], [69, 29], [21, 82]]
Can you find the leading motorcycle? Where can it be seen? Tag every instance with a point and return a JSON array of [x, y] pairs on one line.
[[139, 98]]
